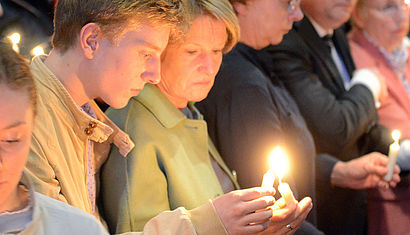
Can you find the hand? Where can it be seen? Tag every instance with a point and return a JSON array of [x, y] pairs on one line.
[[367, 171], [245, 211], [288, 215]]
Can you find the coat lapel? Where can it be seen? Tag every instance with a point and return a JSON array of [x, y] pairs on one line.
[[342, 47], [319, 49]]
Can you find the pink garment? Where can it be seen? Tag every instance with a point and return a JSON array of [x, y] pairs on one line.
[[394, 111], [388, 211]]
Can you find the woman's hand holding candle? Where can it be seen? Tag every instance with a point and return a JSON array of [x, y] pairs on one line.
[[287, 213], [245, 211], [284, 215]]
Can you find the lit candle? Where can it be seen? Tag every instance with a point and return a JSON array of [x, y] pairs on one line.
[[15, 40], [393, 151], [278, 166], [36, 51], [268, 179]]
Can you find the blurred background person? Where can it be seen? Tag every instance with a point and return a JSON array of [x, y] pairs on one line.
[[32, 21], [378, 40], [174, 162], [23, 211], [248, 114], [339, 107], [249, 109]]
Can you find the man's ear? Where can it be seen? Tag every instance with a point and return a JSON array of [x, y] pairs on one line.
[[240, 8], [359, 17], [89, 39]]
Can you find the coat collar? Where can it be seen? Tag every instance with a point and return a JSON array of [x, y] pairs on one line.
[[98, 130], [34, 225], [169, 116], [166, 113]]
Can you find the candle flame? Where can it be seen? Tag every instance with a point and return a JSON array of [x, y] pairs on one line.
[[278, 162], [36, 51], [14, 38], [396, 135]]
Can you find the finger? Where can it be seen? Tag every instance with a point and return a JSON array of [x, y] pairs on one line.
[[279, 215], [396, 169], [255, 228], [376, 169], [304, 209], [298, 221], [257, 217], [305, 204], [380, 159], [279, 204], [395, 178], [257, 192], [259, 204], [383, 184]]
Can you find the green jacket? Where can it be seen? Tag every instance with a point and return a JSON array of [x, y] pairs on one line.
[[168, 168]]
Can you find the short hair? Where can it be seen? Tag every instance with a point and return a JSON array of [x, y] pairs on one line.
[[220, 9], [15, 72], [113, 16]]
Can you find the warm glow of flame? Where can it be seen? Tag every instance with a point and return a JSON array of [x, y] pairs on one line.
[[14, 38], [36, 51], [278, 162], [396, 135]]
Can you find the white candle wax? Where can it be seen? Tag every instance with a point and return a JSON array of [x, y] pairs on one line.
[[286, 193], [268, 179], [393, 151]]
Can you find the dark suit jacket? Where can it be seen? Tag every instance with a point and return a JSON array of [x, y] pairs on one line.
[[248, 113], [343, 123]]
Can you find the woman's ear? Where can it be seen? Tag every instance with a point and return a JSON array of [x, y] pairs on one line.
[[89, 39]]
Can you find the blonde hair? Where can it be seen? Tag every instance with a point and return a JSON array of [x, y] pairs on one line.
[[219, 9], [15, 72], [113, 16]]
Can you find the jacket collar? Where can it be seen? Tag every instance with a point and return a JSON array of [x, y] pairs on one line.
[[166, 113], [34, 225], [319, 48], [98, 130]]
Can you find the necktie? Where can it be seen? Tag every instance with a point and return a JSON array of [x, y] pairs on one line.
[[327, 39], [337, 59]]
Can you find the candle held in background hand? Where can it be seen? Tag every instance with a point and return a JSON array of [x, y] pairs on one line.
[[393, 152]]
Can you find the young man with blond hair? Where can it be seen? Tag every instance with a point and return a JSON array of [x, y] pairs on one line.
[[102, 49]]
